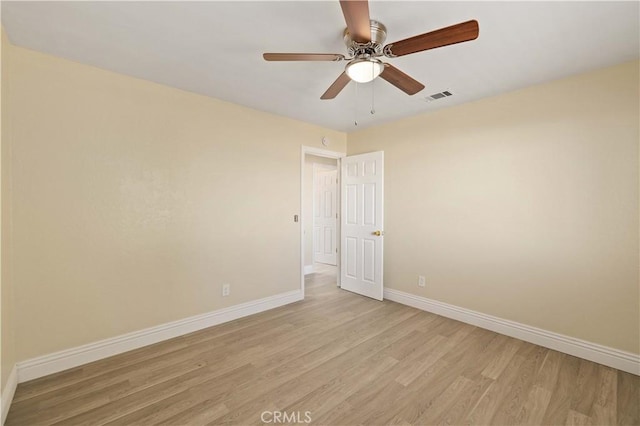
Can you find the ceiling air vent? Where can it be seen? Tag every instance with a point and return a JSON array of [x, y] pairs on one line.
[[437, 96]]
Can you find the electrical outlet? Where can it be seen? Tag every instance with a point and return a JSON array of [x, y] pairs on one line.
[[421, 281], [226, 289]]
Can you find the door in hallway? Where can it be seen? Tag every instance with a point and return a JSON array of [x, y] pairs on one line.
[[325, 215]]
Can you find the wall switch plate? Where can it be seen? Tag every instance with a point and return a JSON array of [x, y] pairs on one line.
[[421, 281], [226, 289]]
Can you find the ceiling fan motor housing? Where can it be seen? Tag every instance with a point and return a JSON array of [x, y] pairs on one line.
[[372, 48]]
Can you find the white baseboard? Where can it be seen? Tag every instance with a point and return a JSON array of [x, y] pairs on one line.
[[308, 269], [8, 392], [69, 358], [611, 357]]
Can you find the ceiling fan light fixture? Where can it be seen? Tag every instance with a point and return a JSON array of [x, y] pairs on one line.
[[364, 70]]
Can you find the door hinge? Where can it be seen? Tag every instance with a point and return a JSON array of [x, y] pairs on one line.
[[336, 215]]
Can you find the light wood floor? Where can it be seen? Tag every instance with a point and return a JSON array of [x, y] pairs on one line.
[[345, 359]]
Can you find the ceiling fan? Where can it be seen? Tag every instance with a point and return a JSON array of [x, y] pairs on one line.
[[364, 38]]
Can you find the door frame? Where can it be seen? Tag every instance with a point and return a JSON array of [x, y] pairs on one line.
[[304, 150]]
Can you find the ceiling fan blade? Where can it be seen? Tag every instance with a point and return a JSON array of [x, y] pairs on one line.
[[458, 33], [401, 80], [302, 57], [356, 15], [336, 87]]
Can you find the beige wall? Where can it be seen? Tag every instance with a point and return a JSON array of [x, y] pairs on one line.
[[7, 343], [523, 206], [133, 202], [310, 160]]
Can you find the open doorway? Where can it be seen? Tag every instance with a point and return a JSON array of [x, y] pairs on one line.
[[320, 217], [360, 225]]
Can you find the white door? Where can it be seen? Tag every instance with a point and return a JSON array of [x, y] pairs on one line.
[[362, 223], [325, 216]]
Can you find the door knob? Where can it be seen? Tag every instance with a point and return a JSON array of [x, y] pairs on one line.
[[378, 233]]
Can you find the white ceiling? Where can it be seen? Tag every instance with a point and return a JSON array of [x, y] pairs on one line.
[[215, 48]]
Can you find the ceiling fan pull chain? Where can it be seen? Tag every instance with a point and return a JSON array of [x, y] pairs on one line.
[[373, 91], [355, 109]]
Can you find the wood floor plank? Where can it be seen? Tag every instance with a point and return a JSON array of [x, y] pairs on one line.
[[512, 403], [197, 415], [141, 399], [587, 383], [484, 345], [499, 363], [563, 392], [327, 397], [411, 372], [487, 407], [535, 406], [443, 403], [332, 354], [604, 410], [575, 418], [462, 404], [628, 399], [547, 375], [343, 358], [437, 379]]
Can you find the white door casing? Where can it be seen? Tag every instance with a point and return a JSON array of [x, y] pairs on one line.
[[362, 224], [324, 215]]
